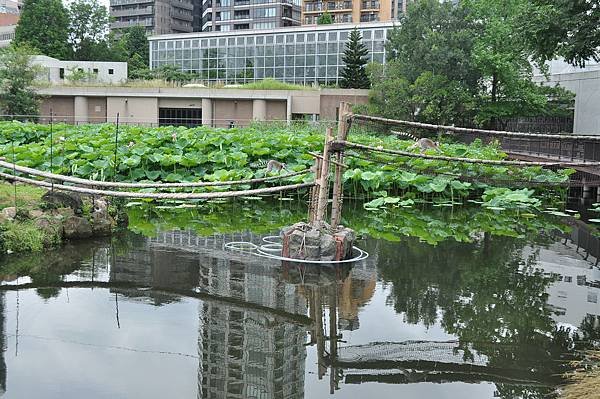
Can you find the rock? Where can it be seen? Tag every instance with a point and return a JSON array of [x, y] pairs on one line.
[[347, 237], [59, 199], [35, 213], [9, 212], [52, 227], [102, 223], [100, 205], [76, 227], [64, 213], [328, 247]]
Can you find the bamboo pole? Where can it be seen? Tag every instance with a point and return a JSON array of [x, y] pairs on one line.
[[323, 180], [159, 196], [96, 183], [338, 183], [456, 129], [314, 192], [464, 160]]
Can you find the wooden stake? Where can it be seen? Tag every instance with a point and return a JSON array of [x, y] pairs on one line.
[[338, 183], [314, 192], [323, 180]]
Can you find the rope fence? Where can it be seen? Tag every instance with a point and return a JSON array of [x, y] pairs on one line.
[[454, 129], [159, 196], [97, 183], [342, 144]]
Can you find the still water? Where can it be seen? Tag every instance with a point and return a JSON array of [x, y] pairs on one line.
[[165, 312]]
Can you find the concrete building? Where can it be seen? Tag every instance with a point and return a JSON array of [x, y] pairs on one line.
[[228, 15], [57, 71], [302, 55], [7, 34], [157, 16], [348, 11], [585, 83], [192, 106]]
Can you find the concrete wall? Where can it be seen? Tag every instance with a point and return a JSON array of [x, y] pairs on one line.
[[586, 86], [63, 108], [52, 70], [141, 105], [276, 110], [97, 109], [331, 98], [225, 111], [140, 110]]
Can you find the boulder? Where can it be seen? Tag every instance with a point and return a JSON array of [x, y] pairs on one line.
[[76, 227], [52, 227], [60, 199], [9, 212], [35, 213], [102, 223], [317, 242], [64, 213]]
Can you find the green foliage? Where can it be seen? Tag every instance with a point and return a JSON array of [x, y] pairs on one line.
[[135, 45], [272, 84], [44, 25], [88, 30], [17, 82], [502, 198], [177, 154], [354, 75], [567, 28], [464, 64], [24, 237], [325, 19]]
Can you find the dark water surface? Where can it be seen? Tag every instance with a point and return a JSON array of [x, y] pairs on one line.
[[173, 315]]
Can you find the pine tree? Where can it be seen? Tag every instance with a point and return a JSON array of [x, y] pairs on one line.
[[325, 19], [354, 74]]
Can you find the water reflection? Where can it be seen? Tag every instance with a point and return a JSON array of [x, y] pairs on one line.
[[490, 318]]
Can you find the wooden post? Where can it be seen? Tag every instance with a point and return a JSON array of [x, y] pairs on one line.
[[338, 183], [324, 179], [314, 192]]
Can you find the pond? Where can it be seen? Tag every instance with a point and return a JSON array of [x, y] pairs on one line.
[[165, 311]]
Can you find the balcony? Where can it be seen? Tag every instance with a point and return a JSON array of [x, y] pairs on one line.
[[370, 5], [127, 24], [132, 12], [177, 26], [182, 4]]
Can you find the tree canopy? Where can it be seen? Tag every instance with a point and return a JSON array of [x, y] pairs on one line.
[[17, 77], [567, 28], [89, 30], [466, 64], [354, 74], [325, 19], [44, 26]]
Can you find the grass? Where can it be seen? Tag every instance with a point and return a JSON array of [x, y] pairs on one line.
[[27, 196], [265, 84], [23, 237], [584, 384]]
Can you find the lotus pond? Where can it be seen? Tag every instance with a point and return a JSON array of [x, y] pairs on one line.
[[453, 302]]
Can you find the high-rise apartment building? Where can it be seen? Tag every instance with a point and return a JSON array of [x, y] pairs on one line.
[[347, 11], [228, 15], [157, 16]]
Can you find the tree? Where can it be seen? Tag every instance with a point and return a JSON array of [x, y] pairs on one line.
[[44, 26], [354, 74], [567, 28], [88, 30], [464, 64], [325, 19], [17, 78], [136, 42]]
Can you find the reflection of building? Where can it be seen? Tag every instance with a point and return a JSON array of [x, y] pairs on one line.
[[2, 346], [576, 293], [244, 350]]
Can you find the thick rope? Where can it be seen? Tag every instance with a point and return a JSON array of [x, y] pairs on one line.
[[463, 160], [470, 130], [96, 183], [159, 196]]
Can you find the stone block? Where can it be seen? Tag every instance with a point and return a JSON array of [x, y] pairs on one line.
[[76, 227]]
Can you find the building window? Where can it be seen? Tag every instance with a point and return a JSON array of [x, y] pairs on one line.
[[111, 71], [592, 297], [95, 71], [61, 73], [189, 117]]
